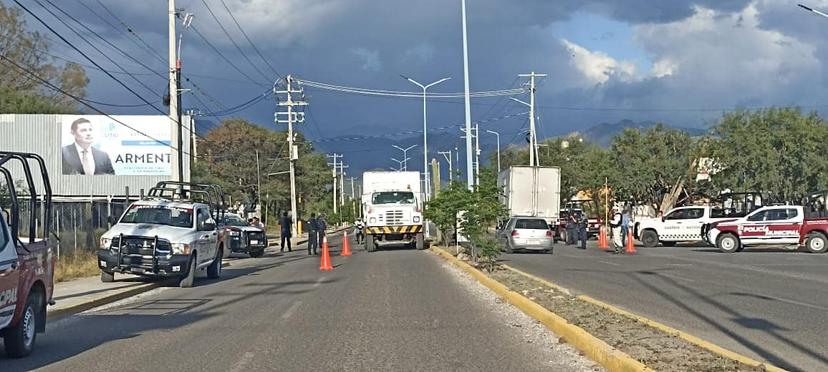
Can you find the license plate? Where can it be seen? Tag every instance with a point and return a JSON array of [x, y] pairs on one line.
[[137, 270], [254, 242]]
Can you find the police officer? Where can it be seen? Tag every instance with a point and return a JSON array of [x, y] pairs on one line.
[[313, 234], [583, 222], [286, 223], [617, 237], [360, 230], [571, 231]]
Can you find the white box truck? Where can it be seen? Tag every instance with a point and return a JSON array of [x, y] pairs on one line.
[[531, 191], [392, 206]]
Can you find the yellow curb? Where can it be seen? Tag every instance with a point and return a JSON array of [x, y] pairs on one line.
[[610, 358], [716, 349]]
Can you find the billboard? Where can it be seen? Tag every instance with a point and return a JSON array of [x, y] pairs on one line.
[[100, 145]]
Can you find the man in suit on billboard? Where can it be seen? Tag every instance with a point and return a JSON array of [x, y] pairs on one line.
[[80, 157]]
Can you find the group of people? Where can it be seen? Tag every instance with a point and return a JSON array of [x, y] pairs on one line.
[[576, 228], [316, 232], [621, 223]]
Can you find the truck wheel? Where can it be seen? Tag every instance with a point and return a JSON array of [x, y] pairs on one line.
[[649, 238], [20, 339], [370, 244], [728, 243], [419, 241], [816, 243], [107, 277], [214, 270], [188, 278]]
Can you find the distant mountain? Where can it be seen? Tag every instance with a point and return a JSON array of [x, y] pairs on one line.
[[603, 134]]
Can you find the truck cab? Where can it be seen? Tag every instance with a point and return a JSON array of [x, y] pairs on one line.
[[392, 206], [779, 225], [27, 263], [164, 237]]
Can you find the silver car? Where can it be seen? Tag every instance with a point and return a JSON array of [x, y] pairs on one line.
[[527, 234]]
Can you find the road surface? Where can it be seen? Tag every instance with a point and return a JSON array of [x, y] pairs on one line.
[[392, 310], [769, 305]]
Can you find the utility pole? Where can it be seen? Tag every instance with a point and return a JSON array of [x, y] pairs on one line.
[[342, 168], [333, 172], [425, 129], [533, 137], [297, 117], [175, 85], [477, 154], [447, 155], [469, 179], [258, 180], [353, 199]]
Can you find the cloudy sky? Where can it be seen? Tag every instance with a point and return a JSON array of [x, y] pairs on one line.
[[680, 62]]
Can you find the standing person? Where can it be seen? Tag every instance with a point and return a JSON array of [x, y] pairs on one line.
[[583, 222], [313, 234], [255, 223], [287, 234], [570, 228], [360, 230], [323, 227], [626, 221], [615, 225]]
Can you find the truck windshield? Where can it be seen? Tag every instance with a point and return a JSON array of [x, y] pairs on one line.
[[159, 215], [234, 220], [393, 197]]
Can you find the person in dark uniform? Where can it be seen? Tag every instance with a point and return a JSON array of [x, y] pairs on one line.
[[583, 222], [323, 227], [313, 234], [286, 223]]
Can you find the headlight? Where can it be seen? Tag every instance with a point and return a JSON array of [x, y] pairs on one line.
[[180, 248], [416, 219], [372, 220], [234, 233], [106, 243]]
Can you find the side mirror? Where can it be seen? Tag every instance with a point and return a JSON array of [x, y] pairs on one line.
[[6, 216], [663, 219], [112, 220]]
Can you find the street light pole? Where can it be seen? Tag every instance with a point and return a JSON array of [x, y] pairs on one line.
[[404, 165], [498, 148], [425, 129], [447, 155]]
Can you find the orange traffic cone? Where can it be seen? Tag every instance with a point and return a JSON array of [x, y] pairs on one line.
[[630, 243], [346, 246], [325, 265], [602, 239]]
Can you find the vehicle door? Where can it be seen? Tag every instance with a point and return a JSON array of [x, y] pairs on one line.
[[672, 228], [207, 236], [9, 275], [691, 225], [506, 232]]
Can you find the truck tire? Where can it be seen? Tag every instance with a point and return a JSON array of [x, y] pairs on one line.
[[20, 339], [107, 277], [214, 270], [816, 243], [188, 278], [370, 244], [419, 241], [728, 243], [649, 238]]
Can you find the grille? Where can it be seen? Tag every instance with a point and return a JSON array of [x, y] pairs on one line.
[[394, 217], [255, 235], [137, 251]]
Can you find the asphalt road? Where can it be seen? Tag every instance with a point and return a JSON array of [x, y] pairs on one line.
[[391, 310], [768, 304]]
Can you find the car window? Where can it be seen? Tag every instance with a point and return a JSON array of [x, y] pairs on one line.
[[675, 215], [532, 224], [4, 236], [201, 219], [793, 213], [694, 213], [758, 216]]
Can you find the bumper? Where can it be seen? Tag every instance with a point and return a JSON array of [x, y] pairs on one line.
[[710, 236], [245, 244], [393, 230], [172, 265], [522, 244]]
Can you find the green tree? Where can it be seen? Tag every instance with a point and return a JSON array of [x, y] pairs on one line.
[[777, 151]]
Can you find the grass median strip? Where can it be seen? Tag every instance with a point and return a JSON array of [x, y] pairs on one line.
[[656, 347]]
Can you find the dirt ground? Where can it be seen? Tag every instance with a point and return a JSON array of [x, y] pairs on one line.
[[656, 349]]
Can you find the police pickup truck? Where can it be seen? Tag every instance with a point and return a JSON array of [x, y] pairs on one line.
[[683, 224], [27, 263], [170, 233]]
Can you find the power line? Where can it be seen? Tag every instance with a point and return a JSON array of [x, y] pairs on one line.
[[249, 41], [213, 47], [380, 92], [233, 41]]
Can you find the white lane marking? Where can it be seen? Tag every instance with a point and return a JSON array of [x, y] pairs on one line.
[[243, 361], [679, 264], [291, 309], [610, 263], [319, 282]]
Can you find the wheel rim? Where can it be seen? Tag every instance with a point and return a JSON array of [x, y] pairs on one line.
[[817, 244], [728, 243], [28, 326]]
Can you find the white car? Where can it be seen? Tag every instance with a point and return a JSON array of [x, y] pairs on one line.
[[684, 224]]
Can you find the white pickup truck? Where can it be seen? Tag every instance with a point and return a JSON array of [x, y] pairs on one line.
[[683, 224]]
